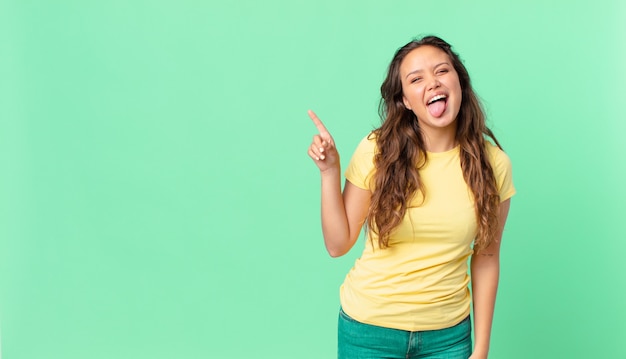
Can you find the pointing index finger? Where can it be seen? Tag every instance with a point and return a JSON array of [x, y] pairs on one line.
[[318, 123]]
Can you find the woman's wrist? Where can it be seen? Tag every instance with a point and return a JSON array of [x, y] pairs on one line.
[[331, 171], [480, 352]]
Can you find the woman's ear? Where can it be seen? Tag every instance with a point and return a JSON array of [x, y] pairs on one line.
[[406, 103]]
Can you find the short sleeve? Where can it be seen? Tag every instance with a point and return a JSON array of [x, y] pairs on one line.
[[503, 171], [361, 166]]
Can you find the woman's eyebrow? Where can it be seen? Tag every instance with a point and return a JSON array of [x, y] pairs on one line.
[[413, 72], [420, 70]]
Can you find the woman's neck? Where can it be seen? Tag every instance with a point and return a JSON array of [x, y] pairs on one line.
[[441, 140]]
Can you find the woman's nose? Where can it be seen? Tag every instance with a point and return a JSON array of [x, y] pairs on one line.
[[434, 83]]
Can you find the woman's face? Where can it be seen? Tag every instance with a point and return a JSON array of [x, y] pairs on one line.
[[431, 88]]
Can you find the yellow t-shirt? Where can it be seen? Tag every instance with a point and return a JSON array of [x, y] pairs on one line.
[[420, 281]]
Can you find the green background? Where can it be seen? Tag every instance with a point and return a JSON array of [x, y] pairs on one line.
[[157, 201]]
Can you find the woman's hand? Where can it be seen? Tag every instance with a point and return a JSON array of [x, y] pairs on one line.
[[322, 149], [478, 356]]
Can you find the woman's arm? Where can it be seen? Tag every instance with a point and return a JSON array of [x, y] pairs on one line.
[[343, 214], [485, 271]]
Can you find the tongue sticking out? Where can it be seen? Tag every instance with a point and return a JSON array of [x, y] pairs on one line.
[[436, 108]]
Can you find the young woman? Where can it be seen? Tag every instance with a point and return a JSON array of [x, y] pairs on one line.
[[432, 192]]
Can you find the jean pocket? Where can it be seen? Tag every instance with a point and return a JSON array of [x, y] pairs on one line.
[[345, 316]]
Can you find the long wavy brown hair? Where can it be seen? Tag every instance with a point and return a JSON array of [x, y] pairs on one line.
[[401, 153]]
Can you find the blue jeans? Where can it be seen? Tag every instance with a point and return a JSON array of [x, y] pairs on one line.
[[364, 341]]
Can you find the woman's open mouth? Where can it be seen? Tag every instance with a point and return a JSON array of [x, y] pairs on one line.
[[437, 105]]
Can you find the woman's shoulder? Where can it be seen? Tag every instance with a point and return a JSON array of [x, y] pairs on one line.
[[502, 170], [493, 150], [498, 158], [368, 143], [361, 165]]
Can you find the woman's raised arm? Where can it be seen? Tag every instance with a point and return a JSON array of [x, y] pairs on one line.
[[343, 214]]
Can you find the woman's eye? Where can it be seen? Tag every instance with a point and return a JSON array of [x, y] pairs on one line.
[[416, 79], [443, 71]]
